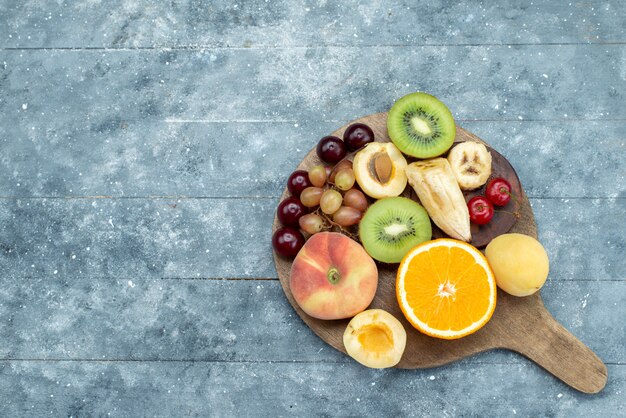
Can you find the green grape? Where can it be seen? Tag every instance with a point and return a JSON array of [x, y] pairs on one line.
[[344, 179], [330, 201], [317, 175]]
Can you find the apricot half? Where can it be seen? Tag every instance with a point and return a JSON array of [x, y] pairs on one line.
[[375, 338], [519, 263], [379, 170], [333, 277]]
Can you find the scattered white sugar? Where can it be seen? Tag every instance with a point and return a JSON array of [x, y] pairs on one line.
[[432, 377], [25, 106], [55, 271], [544, 75], [560, 395], [131, 284]]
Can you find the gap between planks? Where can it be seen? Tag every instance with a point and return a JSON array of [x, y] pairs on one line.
[[171, 197], [249, 279], [310, 46], [152, 360], [470, 120], [276, 279]]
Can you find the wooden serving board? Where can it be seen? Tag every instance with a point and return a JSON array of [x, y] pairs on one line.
[[518, 324]]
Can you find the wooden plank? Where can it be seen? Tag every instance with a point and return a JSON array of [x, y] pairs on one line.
[[230, 238], [281, 389], [104, 89], [143, 319], [256, 23], [126, 238], [243, 159]]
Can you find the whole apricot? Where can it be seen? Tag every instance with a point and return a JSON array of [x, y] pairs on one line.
[[519, 263]]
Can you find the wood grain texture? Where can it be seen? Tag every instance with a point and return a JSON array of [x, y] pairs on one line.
[[518, 324]]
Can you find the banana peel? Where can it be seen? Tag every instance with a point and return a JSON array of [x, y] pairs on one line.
[[440, 194]]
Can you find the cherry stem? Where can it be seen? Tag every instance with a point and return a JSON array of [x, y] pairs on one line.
[[516, 214], [332, 224], [504, 190]]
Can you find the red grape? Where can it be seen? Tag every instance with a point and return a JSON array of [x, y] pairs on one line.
[[287, 241], [298, 181], [357, 135], [498, 191], [347, 216], [355, 199], [331, 149], [290, 210], [312, 223], [480, 210], [310, 197]]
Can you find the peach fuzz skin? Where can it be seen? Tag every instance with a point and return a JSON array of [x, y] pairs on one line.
[[356, 277]]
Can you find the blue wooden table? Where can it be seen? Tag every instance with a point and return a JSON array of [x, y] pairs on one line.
[[144, 146]]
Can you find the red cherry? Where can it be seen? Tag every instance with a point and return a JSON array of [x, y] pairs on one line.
[[287, 241], [480, 210], [290, 211], [331, 149], [498, 191], [358, 135], [298, 181]]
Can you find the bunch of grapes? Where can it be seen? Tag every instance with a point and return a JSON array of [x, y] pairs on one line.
[[325, 197]]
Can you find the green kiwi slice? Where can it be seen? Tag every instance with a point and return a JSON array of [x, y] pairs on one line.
[[421, 126], [392, 226]]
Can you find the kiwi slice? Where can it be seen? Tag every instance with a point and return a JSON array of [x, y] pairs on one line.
[[392, 226], [421, 126]]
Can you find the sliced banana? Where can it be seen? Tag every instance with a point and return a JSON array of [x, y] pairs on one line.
[[441, 196], [471, 164]]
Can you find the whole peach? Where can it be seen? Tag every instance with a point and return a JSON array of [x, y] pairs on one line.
[[333, 277]]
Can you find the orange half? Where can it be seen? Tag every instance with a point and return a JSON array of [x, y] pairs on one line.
[[446, 288]]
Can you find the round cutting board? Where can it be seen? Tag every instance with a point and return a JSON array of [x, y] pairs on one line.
[[519, 324]]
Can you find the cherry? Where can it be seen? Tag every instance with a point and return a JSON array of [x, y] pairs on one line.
[[357, 135], [298, 181], [498, 191], [287, 241], [331, 149], [480, 210], [290, 210]]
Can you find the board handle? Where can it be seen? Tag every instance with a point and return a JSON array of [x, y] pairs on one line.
[[541, 338]]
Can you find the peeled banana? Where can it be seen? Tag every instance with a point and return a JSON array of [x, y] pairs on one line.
[[439, 193], [471, 164]]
